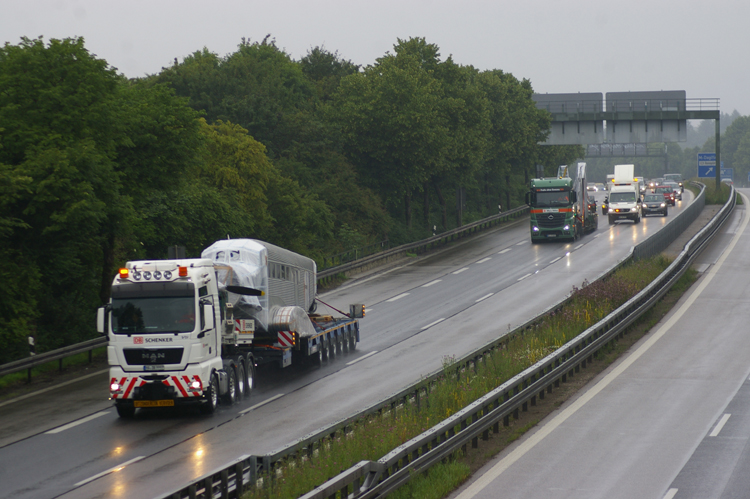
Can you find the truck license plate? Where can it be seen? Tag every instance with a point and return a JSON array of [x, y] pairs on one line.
[[153, 403]]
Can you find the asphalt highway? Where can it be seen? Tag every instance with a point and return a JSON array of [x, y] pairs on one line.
[[69, 442]]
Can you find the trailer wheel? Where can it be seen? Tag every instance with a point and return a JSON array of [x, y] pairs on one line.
[[352, 341], [125, 411], [241, 379], [231, 394], [345, 342], [212, 396], [323, 350], [250, 371], [331, 350]]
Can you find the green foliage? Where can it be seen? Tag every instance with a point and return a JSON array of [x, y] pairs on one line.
[[58, 132]]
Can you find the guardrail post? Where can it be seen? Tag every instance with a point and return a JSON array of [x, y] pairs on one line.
[[239, 478], [224, 484]]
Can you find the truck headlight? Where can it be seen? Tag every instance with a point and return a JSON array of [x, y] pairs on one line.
[[535, 229], [567, 227]]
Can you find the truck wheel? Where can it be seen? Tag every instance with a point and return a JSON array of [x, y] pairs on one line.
[[212, 396], [352, 341], [125, 411], [231, 394], [611, 221], [241, 379]]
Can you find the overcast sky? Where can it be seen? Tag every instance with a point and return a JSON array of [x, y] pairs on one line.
[[561, 46]]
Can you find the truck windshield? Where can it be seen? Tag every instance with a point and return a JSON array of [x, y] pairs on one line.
[[162, 314], [551, 199], [622, 197]]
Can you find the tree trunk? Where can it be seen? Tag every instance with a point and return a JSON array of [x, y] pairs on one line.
[[108, 264], [407, 209], [426, 207], [459, 206], [507, 192], [443, 208]]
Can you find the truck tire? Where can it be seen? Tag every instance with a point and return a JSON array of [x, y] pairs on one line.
[[324, 351], [241, 379], [352, 341], [611, 220], [125, 411], [212, 396], [231, 396], [331, 350], [250, 372]]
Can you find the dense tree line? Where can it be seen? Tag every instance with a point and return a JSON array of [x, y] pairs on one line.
[[316, 155]]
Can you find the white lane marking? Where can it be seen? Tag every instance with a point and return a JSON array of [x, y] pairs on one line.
[[432, 324], [524, 277], [55, 387], [460, 270], [521, 243], [261, 404], [720, 425], [485, 259], [670, 494], [556, 259], [362, 358], [503, 251], [368, 310], [431, 283], [488, 477], [398, 297], [579, 246], [485, 297], [76, 423], [111, 470]]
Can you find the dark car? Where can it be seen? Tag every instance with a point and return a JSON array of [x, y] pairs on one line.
[[605, 205], [667, 193], [654, 204]]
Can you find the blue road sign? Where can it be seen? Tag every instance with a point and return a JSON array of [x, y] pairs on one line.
[[706, 159], [706, 171], [727, 173]]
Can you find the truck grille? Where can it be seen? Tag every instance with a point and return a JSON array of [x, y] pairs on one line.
[[151, 356], [550, 220]]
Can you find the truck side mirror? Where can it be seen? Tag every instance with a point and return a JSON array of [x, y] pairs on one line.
[[101, 320], [573, 196]]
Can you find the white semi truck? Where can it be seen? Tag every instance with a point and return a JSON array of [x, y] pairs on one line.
[[192, 331]]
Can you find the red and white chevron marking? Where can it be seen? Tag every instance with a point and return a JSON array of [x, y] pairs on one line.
[[181, 383], [286, 338]]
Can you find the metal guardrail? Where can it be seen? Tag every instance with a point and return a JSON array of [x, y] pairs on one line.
[[371, 478], [422, 246], [29, 363]]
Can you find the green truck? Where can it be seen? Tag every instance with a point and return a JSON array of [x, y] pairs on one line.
[[559, 206]]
